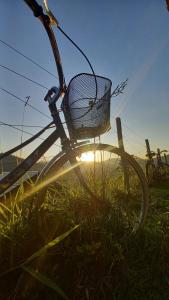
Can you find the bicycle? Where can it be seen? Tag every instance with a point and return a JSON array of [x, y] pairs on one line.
[[151, 171], [158, 171], [86, 108], [163, 167]]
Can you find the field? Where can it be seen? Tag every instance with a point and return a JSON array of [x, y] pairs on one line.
[[75, 248], [84, 217]]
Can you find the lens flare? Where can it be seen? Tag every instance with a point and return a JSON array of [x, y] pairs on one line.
[[87, 156]]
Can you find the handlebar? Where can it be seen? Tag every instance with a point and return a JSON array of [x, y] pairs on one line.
[[35, 7], [38, 12]]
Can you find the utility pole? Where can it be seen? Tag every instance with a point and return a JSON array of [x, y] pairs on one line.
[[121, 146]]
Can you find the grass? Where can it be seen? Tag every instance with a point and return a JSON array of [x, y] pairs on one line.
[[44, 255]]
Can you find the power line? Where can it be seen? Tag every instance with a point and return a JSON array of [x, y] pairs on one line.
[[25, 143], [25, 102], [35, 82], [138, 136], [18, 98], [31, 60], [134, 142], [135, 133], [31, 126], [28, 58], [11, 126], [23, 76]]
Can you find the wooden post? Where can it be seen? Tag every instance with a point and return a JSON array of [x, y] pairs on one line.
[[148, 149], [165, 159], [121, 146], [159, 160]]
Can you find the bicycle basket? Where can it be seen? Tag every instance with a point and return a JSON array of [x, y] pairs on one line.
[[87, 108]]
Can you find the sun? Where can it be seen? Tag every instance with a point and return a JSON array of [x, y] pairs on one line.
[[87, 156]]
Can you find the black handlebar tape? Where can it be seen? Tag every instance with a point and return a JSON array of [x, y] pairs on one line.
[[35, 7]]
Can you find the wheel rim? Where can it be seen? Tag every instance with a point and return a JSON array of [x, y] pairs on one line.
[[104, 178]]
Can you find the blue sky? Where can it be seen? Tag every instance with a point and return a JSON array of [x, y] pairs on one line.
[[123, 39]]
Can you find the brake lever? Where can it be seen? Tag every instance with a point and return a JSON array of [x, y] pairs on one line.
[[52, 95]]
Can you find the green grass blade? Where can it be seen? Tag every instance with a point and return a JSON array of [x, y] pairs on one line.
[[50, 245], [19, 265], [2, 223], [41, 251], [2, 212], [45, 280], [5, 207], [10, 238]]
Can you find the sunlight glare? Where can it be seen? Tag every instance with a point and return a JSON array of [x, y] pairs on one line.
[[87, 156]]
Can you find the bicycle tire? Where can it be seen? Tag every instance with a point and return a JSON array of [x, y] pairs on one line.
[[72, 156], [163, 170]]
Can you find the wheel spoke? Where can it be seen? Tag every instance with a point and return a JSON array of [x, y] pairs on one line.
[[99, 178]]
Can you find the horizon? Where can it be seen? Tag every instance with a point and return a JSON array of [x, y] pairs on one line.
[[117, 50]]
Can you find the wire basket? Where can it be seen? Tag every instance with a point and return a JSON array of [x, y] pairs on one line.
[[86, 106]]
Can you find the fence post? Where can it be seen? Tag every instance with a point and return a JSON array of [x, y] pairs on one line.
[[165, 158], [159, 160], [148, 149], [121, 146]]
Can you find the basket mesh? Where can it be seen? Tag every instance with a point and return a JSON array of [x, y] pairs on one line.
[[86, 115]]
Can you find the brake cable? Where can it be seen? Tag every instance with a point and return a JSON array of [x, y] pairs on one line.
[[55, 22]]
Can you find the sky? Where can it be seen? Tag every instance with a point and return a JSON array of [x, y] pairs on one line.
[[122, 38]]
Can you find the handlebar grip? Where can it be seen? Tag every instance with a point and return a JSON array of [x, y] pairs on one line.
[[35, 7]]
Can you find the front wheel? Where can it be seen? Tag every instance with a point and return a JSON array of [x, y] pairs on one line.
[[100, 172]]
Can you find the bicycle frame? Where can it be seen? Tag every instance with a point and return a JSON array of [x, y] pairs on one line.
[[20, 170], [66, 143], [70, 150]]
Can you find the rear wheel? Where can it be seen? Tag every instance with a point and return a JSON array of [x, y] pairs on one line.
[[99, 170]]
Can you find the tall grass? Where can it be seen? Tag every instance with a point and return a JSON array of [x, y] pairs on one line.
[[44, 255]]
